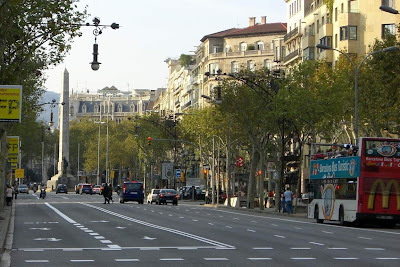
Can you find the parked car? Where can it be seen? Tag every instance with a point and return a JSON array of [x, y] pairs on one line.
[[167, 196], [97, 189], [23, 188], [131, 191], [151, 197], [78, 188], [87, 189], [62, 188]]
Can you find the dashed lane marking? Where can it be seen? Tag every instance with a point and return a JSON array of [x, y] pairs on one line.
[[366, 238], [302, 258], [266, 248], [228, 226], [250, 230], [388, 258], [300, 248], [346, 258], [172, 259], [318, 244], [338, 248], [379, 249], [280, 236], [216, 259], [36, 261], [126, 260], [327, 232], [82, 260], [259, 259]]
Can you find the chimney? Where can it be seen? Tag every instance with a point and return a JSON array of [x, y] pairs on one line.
[[252, 21], [263, 20]]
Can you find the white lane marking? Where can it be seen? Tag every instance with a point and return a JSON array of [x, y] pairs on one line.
[[105, 241], [126, 260], [318, 244], [161, 213], [120, 227], [187, 248], [28, 222], [210, 223], [374, 249], [221, 216], [102, 221], [113, 246], [34, 250], [263, 248], [76, 224], [302, 258], [309, 223], [170, 215], [93, 234], [72, 249], [36, 261], [298, 228], [83, 229], [99, 237], [65, 198], [366, 238], [274, 224], [149, 238], [80, 226], [326, 232], [346, 258], [216, 259], [236, 218], [52, 239], [148, 248], [388, 258], [253, 221], [228, 226], [181, 217], [300, 248], [249, 230], [43, 229], [82, 260], [208, 214], [65, 217], [338, 248], [172, 259], [280, 236], [170, 230], [195, 220], [259, 259], [88, 231]]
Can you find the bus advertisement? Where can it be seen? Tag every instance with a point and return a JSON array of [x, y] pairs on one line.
[[357, 184]]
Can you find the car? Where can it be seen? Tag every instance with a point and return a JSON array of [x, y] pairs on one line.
[[23, 188], [97, 189], [78, 188], [151, 197], [167, 196], [131, 191], [62, 188], [87, 189]]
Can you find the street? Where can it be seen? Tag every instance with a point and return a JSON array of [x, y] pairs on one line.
[[79, 230]]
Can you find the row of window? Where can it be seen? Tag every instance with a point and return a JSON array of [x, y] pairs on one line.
[[294, 7], [132, 108], [235, 67], [242, 47]]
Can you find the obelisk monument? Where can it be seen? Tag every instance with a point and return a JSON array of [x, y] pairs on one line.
[[63, 176]]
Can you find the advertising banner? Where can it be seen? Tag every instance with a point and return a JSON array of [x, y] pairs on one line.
[[10, 103], [13, 150], [345, 167], [167, 171]]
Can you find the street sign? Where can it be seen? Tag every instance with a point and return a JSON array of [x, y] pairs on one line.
[[178, 173], [19, 173], [11, 102], [167, 171], [239, 162]]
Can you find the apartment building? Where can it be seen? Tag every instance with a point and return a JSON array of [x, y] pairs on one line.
[[350, 26]]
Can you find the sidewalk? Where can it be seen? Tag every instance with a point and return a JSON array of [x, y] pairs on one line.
[[5, 219]]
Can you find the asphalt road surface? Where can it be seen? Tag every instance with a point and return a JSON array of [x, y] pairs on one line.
[[79, 230]]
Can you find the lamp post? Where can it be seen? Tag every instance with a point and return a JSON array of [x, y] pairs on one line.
[[356, 73], [98, 153]]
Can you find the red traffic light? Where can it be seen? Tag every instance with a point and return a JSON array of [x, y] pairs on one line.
[[149, 140]]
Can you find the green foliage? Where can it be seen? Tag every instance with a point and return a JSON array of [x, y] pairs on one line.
[[329, 4], [186, 60]]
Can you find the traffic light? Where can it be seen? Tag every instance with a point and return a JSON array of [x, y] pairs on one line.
[[149, 140], [205, 174]]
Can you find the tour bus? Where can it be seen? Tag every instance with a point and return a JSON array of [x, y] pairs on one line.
[[356, 184]]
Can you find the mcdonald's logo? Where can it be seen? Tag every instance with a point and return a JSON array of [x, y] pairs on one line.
[[385, 193]]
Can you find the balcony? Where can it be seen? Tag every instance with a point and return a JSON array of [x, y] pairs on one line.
[[292, 56], [187, 104], [291, 35], [308, 41], [248, 53], [349, 18]]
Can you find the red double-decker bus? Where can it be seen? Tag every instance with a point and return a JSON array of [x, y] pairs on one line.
[[361, 187]]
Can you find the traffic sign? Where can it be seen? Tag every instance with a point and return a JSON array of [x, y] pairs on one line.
[[19, 173], [178, 173]]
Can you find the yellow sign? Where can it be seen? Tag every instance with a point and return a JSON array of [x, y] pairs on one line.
[[19, 173], [385, 193], [182, 177], [112, 174], [13, 142], [14, 166], [10, 103], [12, 158]]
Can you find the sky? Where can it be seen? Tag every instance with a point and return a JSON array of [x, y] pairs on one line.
[[150, 31]]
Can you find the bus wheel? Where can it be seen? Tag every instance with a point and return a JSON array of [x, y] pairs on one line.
[[316, 214], [341, 216]]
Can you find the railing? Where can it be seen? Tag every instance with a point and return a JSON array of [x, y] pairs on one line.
[[292, 55], [291, 34], [240, 53], [187, 104]]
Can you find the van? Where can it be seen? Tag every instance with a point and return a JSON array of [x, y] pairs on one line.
[[132, 191]]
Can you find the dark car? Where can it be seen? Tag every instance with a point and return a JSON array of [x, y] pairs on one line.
[[87, 189], [62, 188], [131, 191], [167, 196]]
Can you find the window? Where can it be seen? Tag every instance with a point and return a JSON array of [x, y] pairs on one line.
[[251, 65], [213, 67], [322, 20], [235, 67], [318, 26], [278, 53], [216, 49], [342, 8], [71, 110], [308, 53], [389, 3], [348, 33], [335, 14], [388, 29], [227, 48], [243, 47], [119, 108], [84, 108], [328, 19], [260, 46], [327, 40], [132, 108], [336, 43], [96, 109], [268, 64]]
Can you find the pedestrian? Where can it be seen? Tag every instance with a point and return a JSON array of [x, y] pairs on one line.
[[265, 197], [110, 192], [9, 195], [15, 188], [207, 198], [288, 198], [105, 193], [283, 202], [271, 198]]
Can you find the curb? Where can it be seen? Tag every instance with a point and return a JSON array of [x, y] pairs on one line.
[[8, 214]]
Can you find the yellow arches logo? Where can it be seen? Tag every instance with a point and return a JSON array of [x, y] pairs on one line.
[[385, 193]]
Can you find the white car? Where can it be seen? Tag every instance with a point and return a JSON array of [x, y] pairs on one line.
[[151, 197]]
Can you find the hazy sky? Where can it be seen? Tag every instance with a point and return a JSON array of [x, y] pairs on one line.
[[151, 31]]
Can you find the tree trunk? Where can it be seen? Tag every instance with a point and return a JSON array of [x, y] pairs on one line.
[[261, 181], [250, 187]]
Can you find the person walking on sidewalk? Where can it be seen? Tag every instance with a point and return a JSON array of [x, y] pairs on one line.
[[265, 198], [105, 193], [9, 195], [288, 198], [110, 192]]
